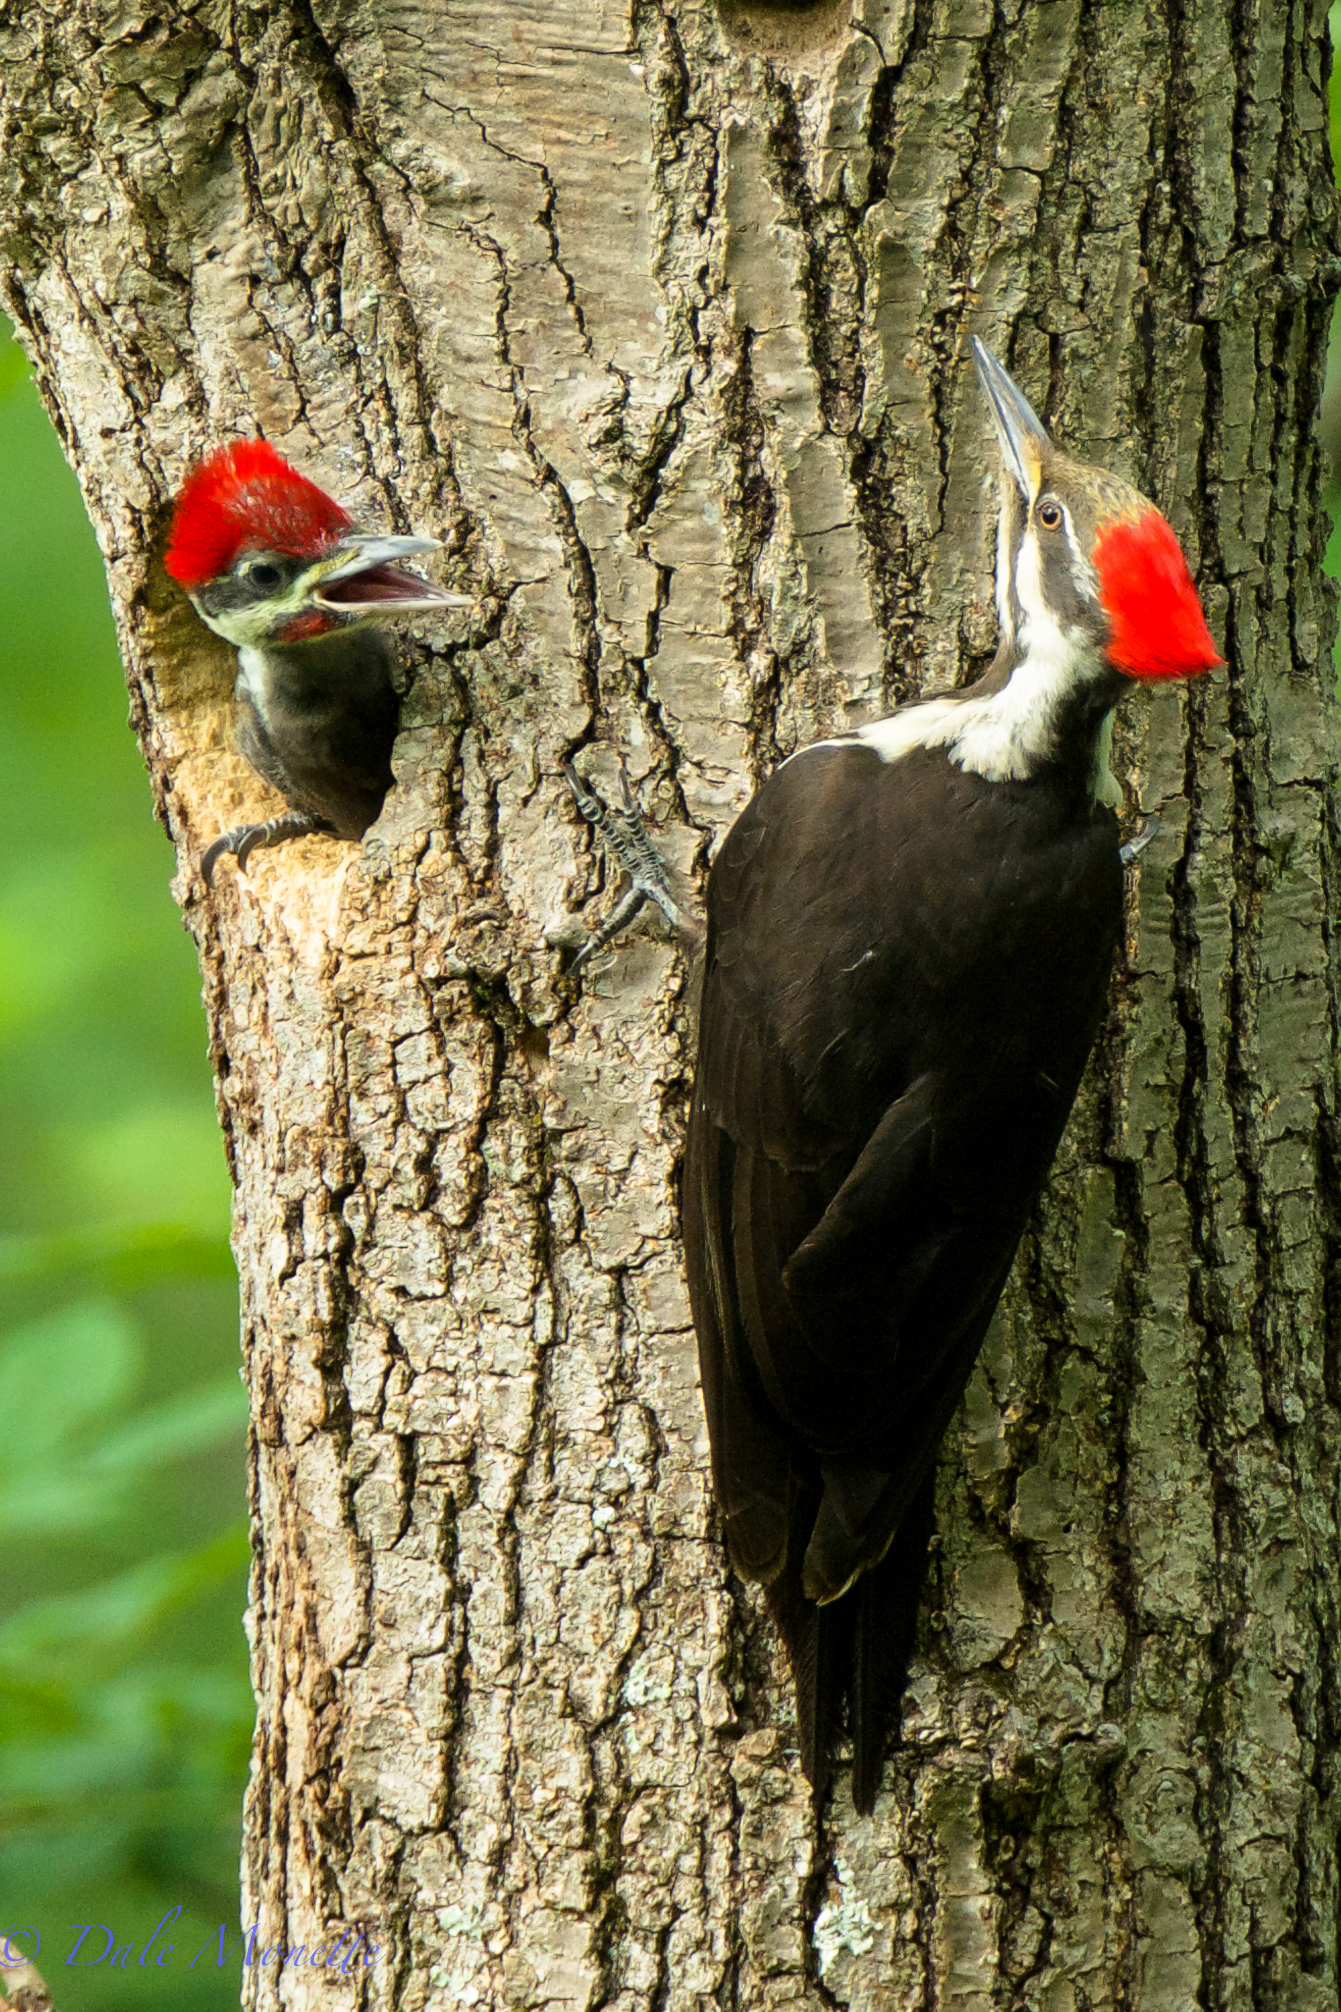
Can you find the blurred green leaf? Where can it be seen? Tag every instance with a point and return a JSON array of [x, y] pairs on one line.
[[125, 1255], [58, 1372], [103, 1618], [13, 368], [184, 1425], [29, 1709], [13, 362], [55, 1502], [42, 1497], [156, 1754], [142, 1163]]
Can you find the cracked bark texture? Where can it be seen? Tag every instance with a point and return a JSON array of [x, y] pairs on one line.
[[656, 311]]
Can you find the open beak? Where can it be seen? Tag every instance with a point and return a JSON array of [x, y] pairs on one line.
[[361, 574], [1019, 429]]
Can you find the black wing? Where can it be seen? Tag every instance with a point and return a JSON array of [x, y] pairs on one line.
[[905, 969]]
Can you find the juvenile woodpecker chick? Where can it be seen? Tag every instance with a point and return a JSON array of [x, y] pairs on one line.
[[274, 566], [910, 935]]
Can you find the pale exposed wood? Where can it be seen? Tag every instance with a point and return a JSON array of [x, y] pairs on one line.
[[25, 1987], [657, 313]]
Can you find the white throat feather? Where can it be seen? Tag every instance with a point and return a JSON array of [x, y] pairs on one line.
[[1005, 735]]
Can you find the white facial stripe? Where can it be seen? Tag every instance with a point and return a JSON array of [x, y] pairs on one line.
[[1082, 571], [1004, 736], [1005, 610], [1029, 586]]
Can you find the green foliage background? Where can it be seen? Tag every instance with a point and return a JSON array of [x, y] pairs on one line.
[[125, 1714]]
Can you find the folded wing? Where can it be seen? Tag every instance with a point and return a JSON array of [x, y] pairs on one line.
[[904, 976]]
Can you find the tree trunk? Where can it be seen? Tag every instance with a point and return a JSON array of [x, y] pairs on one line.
[[656, 310]]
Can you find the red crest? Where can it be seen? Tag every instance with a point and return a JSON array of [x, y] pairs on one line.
[[247, 497], [1159, 630]]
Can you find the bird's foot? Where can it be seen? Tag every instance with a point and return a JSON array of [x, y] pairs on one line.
[[1137, 844], [629, 844], [243, 839]]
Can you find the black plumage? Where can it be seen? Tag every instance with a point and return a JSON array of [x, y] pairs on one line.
[[319, 720], [906, 966], [910, 933]]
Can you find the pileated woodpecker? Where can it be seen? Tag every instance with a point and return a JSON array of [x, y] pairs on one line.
[[910, 934], [274, 566]]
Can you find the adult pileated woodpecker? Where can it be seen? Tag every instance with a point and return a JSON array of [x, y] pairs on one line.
[[910, 934], [274, 566]]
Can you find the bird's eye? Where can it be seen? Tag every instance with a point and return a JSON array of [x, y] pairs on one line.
[[1050, 516], [260, 573]]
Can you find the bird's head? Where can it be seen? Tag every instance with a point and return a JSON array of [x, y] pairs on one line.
[[1084, 561], [267, 557]]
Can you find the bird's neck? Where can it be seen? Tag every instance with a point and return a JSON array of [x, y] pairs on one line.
[[349, 658], [1043, 712], [1045, 709]]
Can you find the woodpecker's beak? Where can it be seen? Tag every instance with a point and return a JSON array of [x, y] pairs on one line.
[[1022, 434], [360, 575]]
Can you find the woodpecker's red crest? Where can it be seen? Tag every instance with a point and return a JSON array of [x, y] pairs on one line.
[[1081, 550], [274, 566], [1158, 629], [243, 497], [910, 933]]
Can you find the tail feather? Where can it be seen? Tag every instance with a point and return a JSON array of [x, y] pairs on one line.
[[886, 1601], [854, 1651], [818, 1643], [819, 1649]]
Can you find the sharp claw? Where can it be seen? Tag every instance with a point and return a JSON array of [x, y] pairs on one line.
[[1128, 852], [625, 838], [625, 911], [588, 803], [247, 844], [243, 839], [212, 857]]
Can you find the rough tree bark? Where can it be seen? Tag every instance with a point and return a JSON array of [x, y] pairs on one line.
[[656, 310]]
